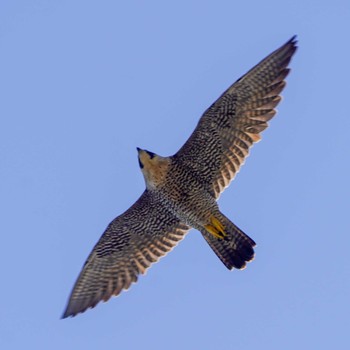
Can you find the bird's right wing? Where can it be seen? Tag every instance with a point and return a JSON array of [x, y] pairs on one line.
[[130, 244]]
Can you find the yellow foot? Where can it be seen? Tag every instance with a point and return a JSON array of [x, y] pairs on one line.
[[216, 228]]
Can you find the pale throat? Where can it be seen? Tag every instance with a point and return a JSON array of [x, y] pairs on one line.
[[154, 171]]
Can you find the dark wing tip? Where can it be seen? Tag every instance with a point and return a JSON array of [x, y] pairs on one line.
[[293, 39], [72, 310], [287, 50], [70, 313], [290, 46], [292, 42], [66, 314], [76, 307]]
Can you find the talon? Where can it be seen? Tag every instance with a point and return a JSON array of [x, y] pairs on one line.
[[216, 228]]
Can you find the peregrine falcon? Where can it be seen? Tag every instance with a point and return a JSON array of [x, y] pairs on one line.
[[182, 190]]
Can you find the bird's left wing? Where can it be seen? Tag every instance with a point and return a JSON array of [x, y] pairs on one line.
[[131, 243], [221, 141]]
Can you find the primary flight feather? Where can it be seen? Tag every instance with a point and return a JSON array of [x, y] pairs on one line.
[[182, 190]]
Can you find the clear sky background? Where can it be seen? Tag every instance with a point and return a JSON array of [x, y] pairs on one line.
[[83, 83]]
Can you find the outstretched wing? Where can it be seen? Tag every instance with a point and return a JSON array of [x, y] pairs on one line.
[[221, 141], [130, 244]]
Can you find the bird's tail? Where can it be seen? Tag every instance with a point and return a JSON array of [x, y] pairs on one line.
[[233, 247]]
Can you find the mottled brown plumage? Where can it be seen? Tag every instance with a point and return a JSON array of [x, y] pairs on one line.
[[181, 190]]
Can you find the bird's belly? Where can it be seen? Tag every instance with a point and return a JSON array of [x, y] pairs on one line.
[[192, 208]]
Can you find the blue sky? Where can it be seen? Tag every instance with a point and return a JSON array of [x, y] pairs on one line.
[[83, 83]]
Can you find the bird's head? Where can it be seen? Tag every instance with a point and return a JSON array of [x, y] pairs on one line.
[[145, 157], [153, 167]]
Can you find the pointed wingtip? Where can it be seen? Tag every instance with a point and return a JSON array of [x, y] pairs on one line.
[[293, 41], [66, 314], [287, 50], [74, 309], [70, 314]]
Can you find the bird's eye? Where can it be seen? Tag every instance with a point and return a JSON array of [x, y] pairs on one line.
[[151, 154], [140, 163]]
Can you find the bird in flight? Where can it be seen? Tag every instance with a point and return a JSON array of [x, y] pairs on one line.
[[182, 190]]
